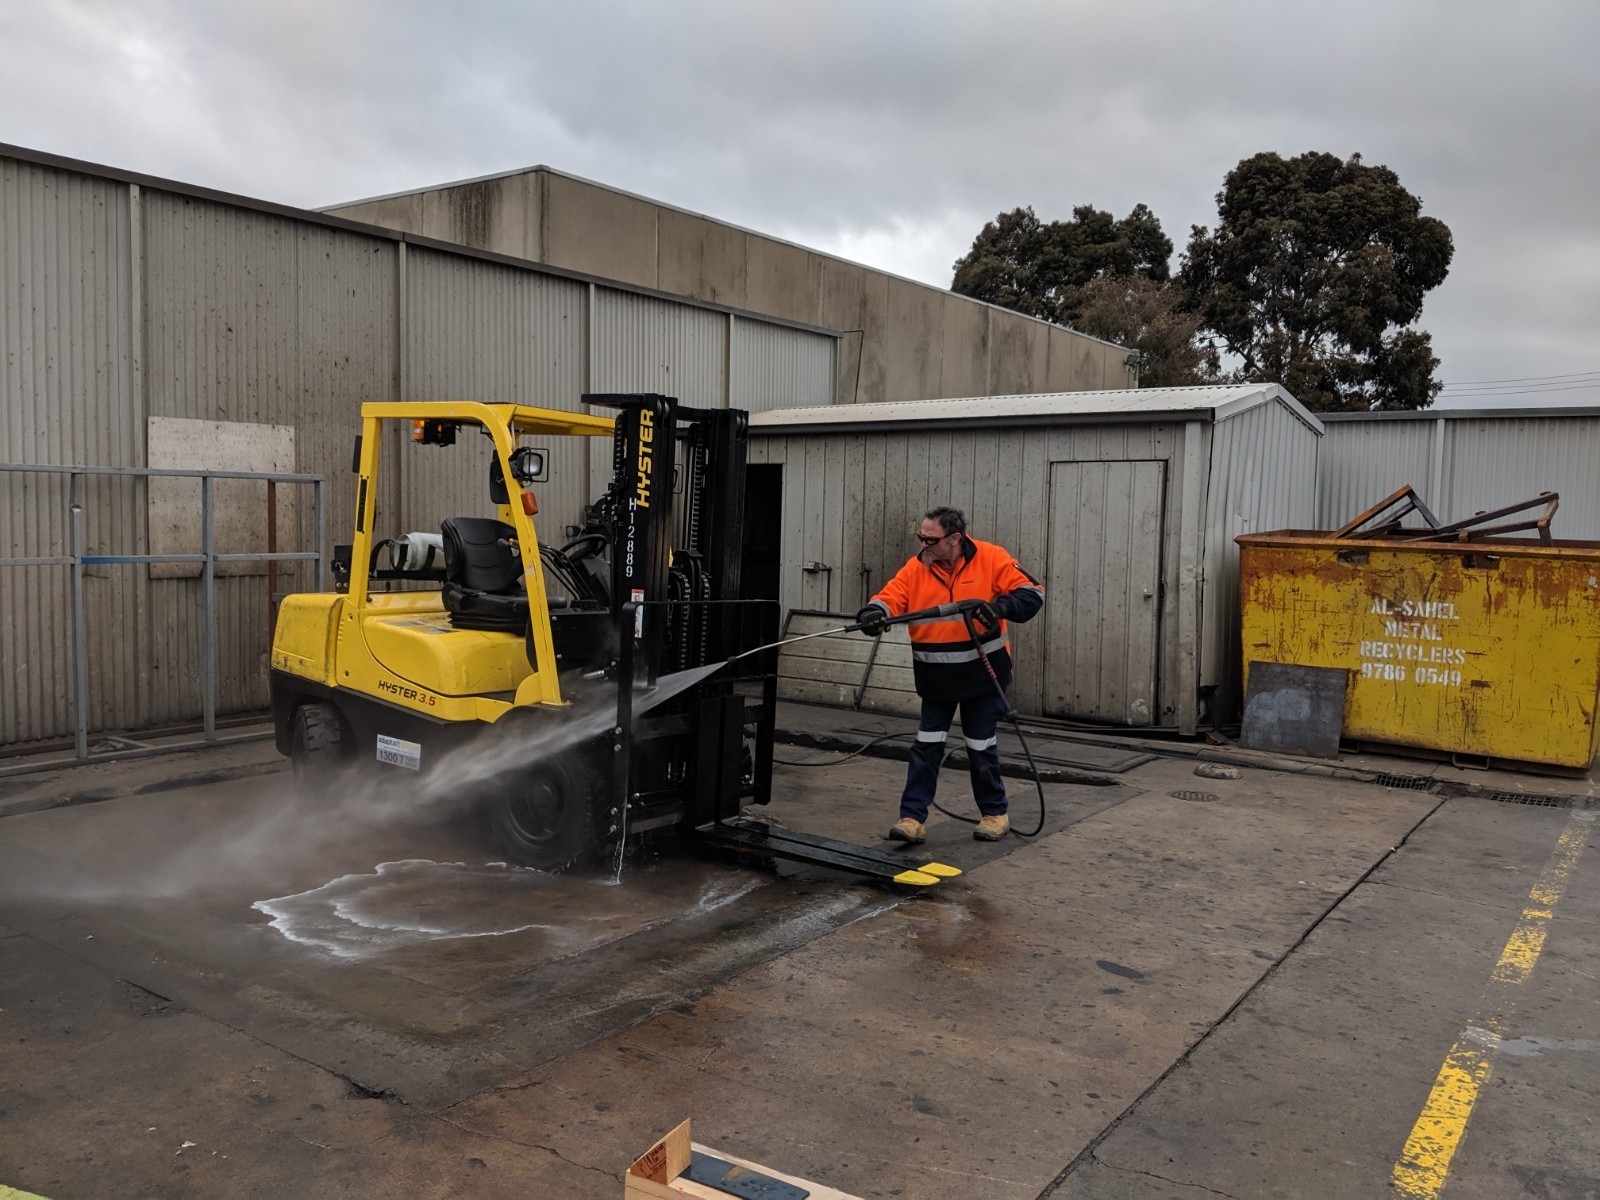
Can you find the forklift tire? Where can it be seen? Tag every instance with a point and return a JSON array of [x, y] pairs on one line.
[[547, 818], [316, 738]]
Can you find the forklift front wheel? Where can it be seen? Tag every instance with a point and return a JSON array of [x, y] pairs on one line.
[[316, 737], [546, 818]]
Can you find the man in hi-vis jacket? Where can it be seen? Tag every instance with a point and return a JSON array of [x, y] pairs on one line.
[[953, 567]]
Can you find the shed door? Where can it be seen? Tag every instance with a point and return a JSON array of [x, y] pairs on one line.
[[1103, 590]]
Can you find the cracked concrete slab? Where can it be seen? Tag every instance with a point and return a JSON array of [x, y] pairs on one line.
[[1098, 1013]]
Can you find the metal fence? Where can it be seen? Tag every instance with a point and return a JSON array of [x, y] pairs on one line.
[[78, 558]]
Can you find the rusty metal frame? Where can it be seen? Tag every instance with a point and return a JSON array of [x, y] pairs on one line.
[[1413, 503], [1473, 527]]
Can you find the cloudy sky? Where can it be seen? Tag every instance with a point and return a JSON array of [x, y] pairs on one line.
[[884, 132]]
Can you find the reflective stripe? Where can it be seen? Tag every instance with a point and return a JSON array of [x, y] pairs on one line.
[[956, 656], [943, 656], [936, 621], [1040, 590], [930, 735], [975, 744]]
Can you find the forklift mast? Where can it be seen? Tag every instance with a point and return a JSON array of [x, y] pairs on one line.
[[674, 513]]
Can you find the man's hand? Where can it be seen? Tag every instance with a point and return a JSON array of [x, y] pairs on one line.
[[984, 614], [873, 620]]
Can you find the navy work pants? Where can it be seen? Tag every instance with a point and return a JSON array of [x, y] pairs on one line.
[[980, 715]]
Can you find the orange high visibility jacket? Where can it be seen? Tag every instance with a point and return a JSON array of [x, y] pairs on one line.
[[944, 658]]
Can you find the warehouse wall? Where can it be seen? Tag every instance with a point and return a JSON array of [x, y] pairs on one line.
[[1462, 463], [125, 299], [901, 340]]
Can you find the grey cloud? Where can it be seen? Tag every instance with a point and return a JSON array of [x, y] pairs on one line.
[[900, 126]]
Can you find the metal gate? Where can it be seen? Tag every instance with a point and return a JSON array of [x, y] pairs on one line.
[[1103, 590]]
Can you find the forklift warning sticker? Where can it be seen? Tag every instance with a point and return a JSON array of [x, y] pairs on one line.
[[399, 752]]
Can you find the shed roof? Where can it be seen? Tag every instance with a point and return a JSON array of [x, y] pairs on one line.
[[1051, 408]]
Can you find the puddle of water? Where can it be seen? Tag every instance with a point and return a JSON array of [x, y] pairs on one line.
[[415, 902], [1532, 1047]]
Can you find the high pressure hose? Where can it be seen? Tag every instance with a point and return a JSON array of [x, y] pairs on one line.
[[1011, 715], [965, 608]]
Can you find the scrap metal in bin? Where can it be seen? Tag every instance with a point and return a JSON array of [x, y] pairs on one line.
[[1456, 637]]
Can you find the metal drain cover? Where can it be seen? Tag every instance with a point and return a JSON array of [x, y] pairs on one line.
[[1530, 798], [1198, 796]]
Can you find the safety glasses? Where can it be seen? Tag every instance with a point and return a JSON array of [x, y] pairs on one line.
[[931, 541]]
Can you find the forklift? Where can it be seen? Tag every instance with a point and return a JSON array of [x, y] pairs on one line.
[[625, 660]]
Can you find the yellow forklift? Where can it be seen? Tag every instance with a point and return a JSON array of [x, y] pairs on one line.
[[625, 657]]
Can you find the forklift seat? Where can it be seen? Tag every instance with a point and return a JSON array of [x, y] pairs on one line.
[[483, 576]]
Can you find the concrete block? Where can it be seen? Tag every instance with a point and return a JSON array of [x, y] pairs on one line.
[[1019, 351], [599, 232], [783, 280], [855, 300], [965, 334], [501, 215], [914, 341], [1073, 365], [397, 212], [701, 258]]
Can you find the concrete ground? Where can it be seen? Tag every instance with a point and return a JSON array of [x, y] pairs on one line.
[[1185, 987]]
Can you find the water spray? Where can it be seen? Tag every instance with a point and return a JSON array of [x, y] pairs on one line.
[[965, 609]]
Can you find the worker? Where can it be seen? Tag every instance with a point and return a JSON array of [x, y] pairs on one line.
[[945, 661]]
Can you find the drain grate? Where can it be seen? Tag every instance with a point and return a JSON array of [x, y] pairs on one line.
[[1525, 798], [1412, 783], [1197, 796]]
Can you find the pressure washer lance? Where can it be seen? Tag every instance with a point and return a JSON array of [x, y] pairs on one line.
[[965, 610]]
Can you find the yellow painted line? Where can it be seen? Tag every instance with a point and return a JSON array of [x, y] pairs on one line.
[[1424, 1164]]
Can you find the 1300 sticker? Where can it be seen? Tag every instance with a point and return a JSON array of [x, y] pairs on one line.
[[399, 752]]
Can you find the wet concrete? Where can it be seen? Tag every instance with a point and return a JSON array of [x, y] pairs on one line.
[[1246, 995]]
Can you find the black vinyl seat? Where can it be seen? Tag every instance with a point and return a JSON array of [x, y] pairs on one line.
[[483, 576]]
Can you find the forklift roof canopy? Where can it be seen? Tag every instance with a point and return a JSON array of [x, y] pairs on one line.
[[519, 418]]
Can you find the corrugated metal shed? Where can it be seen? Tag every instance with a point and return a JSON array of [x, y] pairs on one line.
[[1125, 502], [1464, 461], [125, 298]]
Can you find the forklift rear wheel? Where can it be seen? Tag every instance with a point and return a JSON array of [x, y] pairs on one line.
[[546, 819], [316, 737]]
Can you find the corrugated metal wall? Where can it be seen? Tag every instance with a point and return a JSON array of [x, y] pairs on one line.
[[777, 367], [65, 346], [1466, 464], [643, 344], [121, 300], [478, 331], [853, 501], [1262, 476]]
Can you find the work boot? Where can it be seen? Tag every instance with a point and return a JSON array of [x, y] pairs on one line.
[[908, 829], [992, 827]]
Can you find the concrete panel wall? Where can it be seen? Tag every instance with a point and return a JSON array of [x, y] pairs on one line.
[[913, 340], [598, 231], [902, 340], [1019, 358], [965, 334], [701, 258], [855, 301], [786, 281]]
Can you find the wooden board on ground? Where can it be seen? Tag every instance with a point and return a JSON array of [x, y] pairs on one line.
[[657, 1173]]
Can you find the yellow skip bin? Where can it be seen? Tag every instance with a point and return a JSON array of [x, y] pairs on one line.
[[1488, 648]]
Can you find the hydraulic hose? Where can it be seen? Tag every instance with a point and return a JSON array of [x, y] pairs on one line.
[[1011, 715], [964, 609]]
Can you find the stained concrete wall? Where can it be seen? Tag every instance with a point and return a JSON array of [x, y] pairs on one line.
[[902, 340]]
